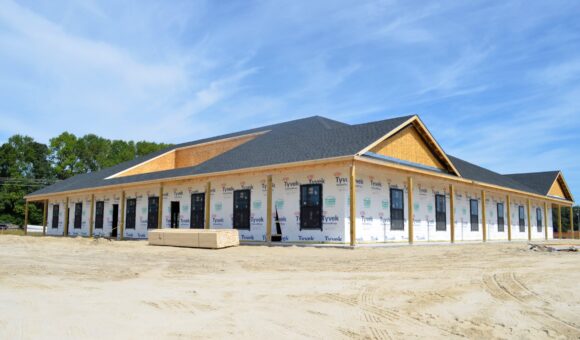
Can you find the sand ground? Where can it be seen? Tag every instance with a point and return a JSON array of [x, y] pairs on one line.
[[63, 288]]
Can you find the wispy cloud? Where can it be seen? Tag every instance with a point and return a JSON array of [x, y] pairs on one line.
[[497, 83]]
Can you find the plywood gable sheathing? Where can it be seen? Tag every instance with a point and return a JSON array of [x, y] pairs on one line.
[[408, 145], [198, 154], [163, 162], [560, 189], [556, 190], [186, 157]]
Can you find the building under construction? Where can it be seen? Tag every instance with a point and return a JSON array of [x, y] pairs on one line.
[[312, 180]]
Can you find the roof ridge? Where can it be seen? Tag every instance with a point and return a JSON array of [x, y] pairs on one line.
[[457, 160], [325, 121], [533, 173], [386, 120]]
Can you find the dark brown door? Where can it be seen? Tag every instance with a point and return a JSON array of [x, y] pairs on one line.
[[242, 209], [174, 214], [78, 215], [115, 220], [197, 211]]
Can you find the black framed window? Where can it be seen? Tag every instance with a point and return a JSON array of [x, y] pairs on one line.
[[440, 213], [539, 219], [242, 209], [55, 212], [197, 218], [500, 218], [99, 214], [78, 215], [397, 209], [152, 212], [311, 206], [474, 214], [522, 218], [131, 213]]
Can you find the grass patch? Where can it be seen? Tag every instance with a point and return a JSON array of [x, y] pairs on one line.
[[19, 232]]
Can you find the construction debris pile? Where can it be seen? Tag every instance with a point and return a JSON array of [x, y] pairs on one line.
[[553, 247]]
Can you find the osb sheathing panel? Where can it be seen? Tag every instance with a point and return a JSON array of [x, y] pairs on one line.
[[164, 162], [556, 190], [199, 154], [182, 158], [409, 146]]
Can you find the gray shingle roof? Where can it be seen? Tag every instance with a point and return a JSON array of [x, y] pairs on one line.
[[298, 140], [539, 181], [477, 173], [311, 138]]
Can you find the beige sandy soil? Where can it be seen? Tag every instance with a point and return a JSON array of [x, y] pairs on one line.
[[81, 288]]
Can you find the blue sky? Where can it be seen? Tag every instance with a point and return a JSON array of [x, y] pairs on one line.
[[497, 82]]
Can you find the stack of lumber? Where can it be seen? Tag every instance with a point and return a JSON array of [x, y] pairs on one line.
[[195, 238]]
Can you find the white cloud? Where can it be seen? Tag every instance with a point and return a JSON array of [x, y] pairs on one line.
[[560, 73]]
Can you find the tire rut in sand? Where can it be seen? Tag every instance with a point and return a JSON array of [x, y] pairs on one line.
[[377, 331], [506, 286], [386, 317]]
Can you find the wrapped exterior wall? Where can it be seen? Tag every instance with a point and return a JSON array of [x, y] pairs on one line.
[[373, 210], [285, 199], [494, 233], [59, 230], [108, 199], [141, 197], [373, 220], [85, 203]]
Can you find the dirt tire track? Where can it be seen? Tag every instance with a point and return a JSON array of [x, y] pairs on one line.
[[507, 285], [366, 297], [396, 319]]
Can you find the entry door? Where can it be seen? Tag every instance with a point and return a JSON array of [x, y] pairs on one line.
[[55, 216], [174, 214], [153, 213], [115, 220], [99, 213], [197, 211], [242, 209], [131, 215]]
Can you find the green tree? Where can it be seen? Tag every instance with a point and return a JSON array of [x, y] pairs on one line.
[[64, 156], [92, 152], [144, 148], [24, 167], [121, 151]]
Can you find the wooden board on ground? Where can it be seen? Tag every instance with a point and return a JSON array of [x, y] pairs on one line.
[[195, 238]]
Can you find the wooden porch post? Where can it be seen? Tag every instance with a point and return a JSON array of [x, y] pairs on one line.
[[509, 217], [122, 225], [207, 205], [483, 216], [44, 217], [572, 221], [559, 222], [452, 212], [546, 220], [352, 188], [65, 232], [92, 216], [160, 208], [529, 220], [269, 210], [26, 217], [411, 216]]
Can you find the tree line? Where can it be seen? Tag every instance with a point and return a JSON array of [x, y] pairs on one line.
[[27, 165]]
